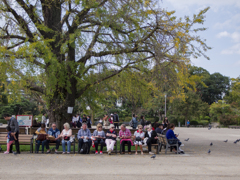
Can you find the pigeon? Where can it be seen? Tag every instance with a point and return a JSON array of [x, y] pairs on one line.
[[153, 156], [209, 151], [211, 144], [235, 142], [225, 141], [186, 139]]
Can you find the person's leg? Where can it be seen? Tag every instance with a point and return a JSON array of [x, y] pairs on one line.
[[38, 145], [141, 148], [129, 146], [149, 143], [57, 144], [17, 143], [89, 145], [117, 126], [107, 141], [80, 143], [96, 145], [136, 147], [102, 144], [123, 146], [68, 146], [43, 143], [63, 146], [8, 145], [112, 143], [47, 144]]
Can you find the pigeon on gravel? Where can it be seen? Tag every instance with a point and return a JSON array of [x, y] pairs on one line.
[[225, 141], [209, 151], [211, 144], [153, 156], [186, 139]]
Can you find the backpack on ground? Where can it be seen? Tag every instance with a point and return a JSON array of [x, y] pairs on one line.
[[85, 149]]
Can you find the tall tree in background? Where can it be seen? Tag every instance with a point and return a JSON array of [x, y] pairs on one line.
[[56, 47]]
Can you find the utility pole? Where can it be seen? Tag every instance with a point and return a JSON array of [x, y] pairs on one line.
[[165, 105]]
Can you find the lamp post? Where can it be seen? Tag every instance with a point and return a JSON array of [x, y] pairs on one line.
[[165, 105]]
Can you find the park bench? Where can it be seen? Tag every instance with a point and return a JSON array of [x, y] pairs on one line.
[[164, 142], [53, 144], [115, 145], [22, 138], [155, 145], [22, 130]]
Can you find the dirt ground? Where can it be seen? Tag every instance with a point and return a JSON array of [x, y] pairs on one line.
[[222, 163]]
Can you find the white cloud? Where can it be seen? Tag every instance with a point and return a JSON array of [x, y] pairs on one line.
[[234, 36], [233, 22], [232, 50], [223, 34]]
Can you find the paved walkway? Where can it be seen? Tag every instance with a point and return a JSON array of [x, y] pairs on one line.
[[222, 163]]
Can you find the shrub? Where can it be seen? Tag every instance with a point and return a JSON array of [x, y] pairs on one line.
[[203, 122], [227, 120], [3, 121], [193, 123]]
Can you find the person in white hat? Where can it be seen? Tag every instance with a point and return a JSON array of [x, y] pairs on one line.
[[110, 139]]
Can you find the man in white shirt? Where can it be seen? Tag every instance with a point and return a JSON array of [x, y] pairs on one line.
[[44, 120]]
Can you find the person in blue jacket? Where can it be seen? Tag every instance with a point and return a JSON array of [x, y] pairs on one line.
[[172, 138], [134, 121]]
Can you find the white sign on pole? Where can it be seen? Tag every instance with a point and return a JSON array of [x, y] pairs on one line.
[[70, 110], [24, 120]]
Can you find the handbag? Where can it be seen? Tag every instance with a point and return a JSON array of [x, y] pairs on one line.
[[41, 137], [138, 139], [66, 138]]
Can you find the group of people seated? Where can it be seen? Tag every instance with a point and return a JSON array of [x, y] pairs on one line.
[[100, 138]]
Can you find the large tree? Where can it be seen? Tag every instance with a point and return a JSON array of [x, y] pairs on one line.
[[60, 49]]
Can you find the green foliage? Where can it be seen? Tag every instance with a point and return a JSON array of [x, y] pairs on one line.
[[189, 108], [20, 108], [194, 123], [70, 54], [224, 113]]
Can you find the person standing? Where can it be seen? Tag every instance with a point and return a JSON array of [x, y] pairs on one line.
[[134, 121], [142, 121], [165, 122], [188, 123], [44, 119], [116, 120], [79, 121], [89, 122], [84, 119], [13, 124]]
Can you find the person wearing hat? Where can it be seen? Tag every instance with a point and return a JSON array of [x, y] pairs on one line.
[[111, 139]]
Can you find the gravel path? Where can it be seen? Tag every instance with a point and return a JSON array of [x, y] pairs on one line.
[[222, 163]]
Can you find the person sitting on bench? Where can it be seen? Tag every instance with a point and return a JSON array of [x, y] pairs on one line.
[[55, 133], [152, 138], [125, 138], [171, 137], [99, 136], [84, 135], [110, 139]]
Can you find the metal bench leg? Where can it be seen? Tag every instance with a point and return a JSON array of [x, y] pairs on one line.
[[74, 147], [166, 149]]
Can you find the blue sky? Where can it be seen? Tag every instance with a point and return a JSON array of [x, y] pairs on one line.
[[223, 33]]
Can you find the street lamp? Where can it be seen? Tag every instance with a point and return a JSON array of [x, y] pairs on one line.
[[165, 104]]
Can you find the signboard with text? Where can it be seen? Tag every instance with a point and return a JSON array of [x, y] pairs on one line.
[[24, 120]]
